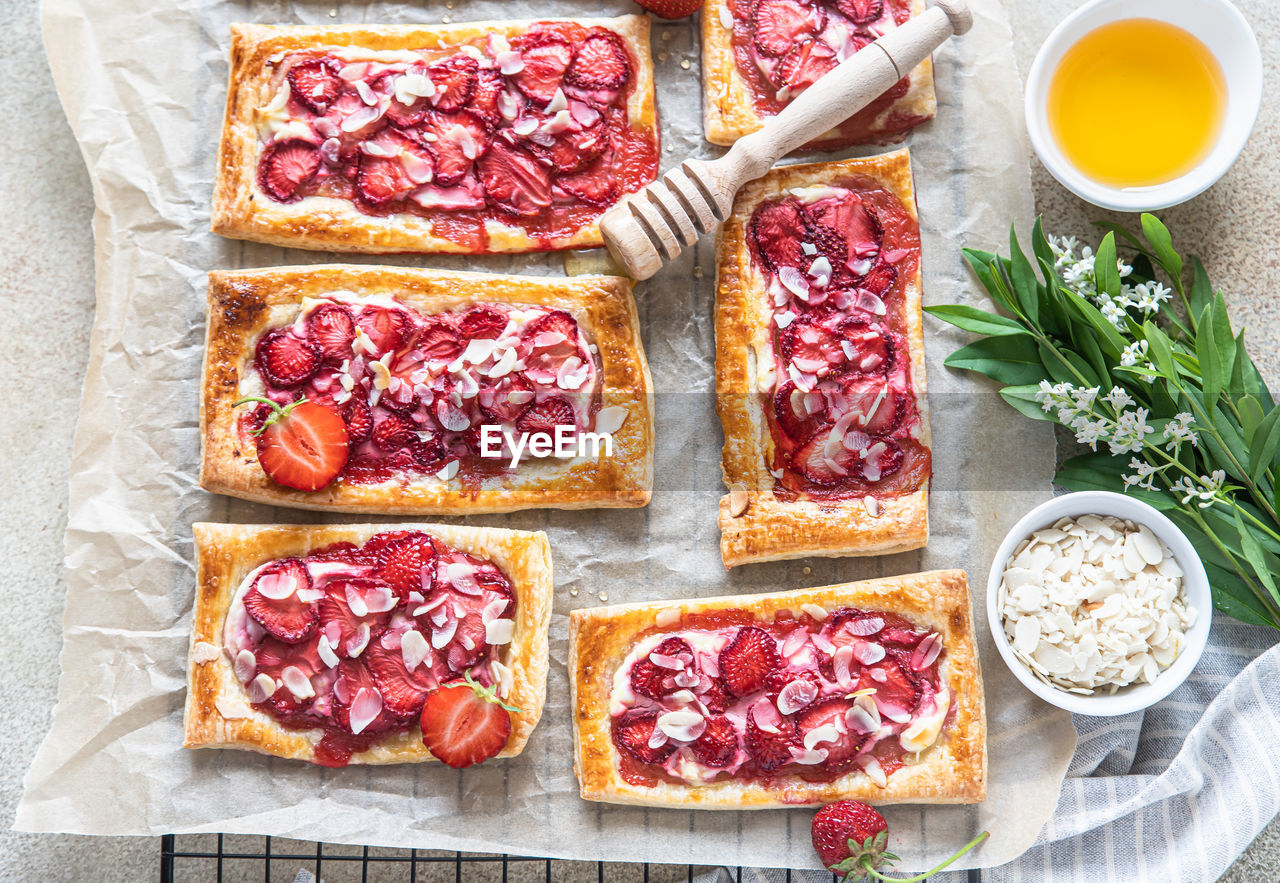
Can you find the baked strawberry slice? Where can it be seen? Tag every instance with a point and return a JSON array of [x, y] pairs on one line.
[[830, 244], [593, 184], [302, 445], [399, 166], [823, 459], [770, 750], [854, 220], [359, 422], [483, 323], [778, 25], [514, 180], [811, 346], [879, 279], [647, 676], [893, 682], [394, 431], [718, 744], [874, 349], [459, 138], [353, 613], [455, 81], [285, 359], [331, 328], [574, 148], [403, 691], [408, 564], [747, 660], [465, 723], [273, 601], [804, 65], [889, 458], [385, 327], [775, 230], [430, 455], [546, 415], [906, 638], [796, 426], [631, 735], [861, 12], [879, 406], [715, 697], [831, 713], [357, 703], [484, 99], [600, 62], [555, 322], [286, 166], [315, 84], [545, 63], [506, 399], [439, 341]]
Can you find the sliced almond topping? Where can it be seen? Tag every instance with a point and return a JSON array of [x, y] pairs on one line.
[[739, 499]]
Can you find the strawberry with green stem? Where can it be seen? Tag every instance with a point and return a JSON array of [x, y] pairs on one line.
[[851, 838], [465, 722], [302, 445]]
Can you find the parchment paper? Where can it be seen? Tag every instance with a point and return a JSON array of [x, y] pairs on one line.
[[143, 84]]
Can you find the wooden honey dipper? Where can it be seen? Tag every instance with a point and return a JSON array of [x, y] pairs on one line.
[[653, 225]]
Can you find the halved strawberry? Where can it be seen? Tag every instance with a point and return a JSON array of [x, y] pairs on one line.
[[514, 180], [455, 81], [718, 743], [408, 564], [496, 398], [770, 750], [647, 676], [290, 619], [594, 184], [484, 99], [747, 660], [880, 406], [904, 637], [332, 329], [798, 428], [600, 62], [842, 751], [775, 228], [573, 149], [338, 620], [439, 341], [284, 359], [385, 327], [778, 25], [804, 65], [315, 84], [815, 459], [395, 431], [460, 137], [861, 12], [556, 321], [899, 686], [544, 67], [880, 278], [631, 734], [830, 244], [403, 691], [302, 445], [546, 415], [811, 346], [483, 323], [359, 421], [464, 723], [875, 349], [286, 166], [383, 179], [854, 220]]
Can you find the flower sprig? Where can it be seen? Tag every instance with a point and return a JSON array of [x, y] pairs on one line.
[[1138, 359]]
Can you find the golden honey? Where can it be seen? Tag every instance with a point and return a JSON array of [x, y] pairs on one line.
[[1137, 102]]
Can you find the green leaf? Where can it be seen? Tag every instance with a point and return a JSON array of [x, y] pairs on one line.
[[1025, 285], [1076, 371], [1201, 293], [1263, 564], [1251, 380], [1040, 244], [1160, 349], [1111, 341], [1251, 416], [1023, 398], [1162, 245], [1104, 266], [1209, 357], [976, 320], [1122, 232], [1264, 445], [1001, 288], [980, 263], [1012, 361], [1233, 597], [1226, 428], [1223, 338], [1103, 472]]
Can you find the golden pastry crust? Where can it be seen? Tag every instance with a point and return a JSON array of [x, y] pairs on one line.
[[242, 211], [243, 304], [728, 106], [952, 770], [771, 529], [218, 714]]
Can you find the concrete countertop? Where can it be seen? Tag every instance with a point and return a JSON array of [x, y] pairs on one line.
[[46, 285]]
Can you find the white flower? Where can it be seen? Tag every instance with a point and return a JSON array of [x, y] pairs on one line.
[[1084, 398], [1179, 430], [1113, 313], [1130, 433], [1208, 488], [1118, 398], [1123, 269], [1134, 354], [1090, 432], [1143, 475]]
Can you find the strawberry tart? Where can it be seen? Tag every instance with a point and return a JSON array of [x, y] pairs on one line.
[[868, 690], [410, 391], [820, 364], [324, 643], [757, 55], [472, 138]]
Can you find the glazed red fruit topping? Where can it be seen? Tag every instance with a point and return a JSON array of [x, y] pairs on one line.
[[843, 750], [455, 81], [898, 687], [303, 445], [781, 24], [805, 64], [482, 323], [354, 679], [546, 415], [332, 329], [395, 431], [594, 184], [286, 166], [876, 400], [771, 750], [385, 327], [773, 229], [314, 84], [484, 100], [715, 698], [671, 9], [382, 179], [545, 63], [408, 564], [463, 724], [718, 744], [286, 360], [747, 660], [829, 242], [403, 691], [599, 63], [823, 460], [861, 12], [514, 179], [631, 735], [647, 676], [890, 459], [274, 603], [439, 342], [874, 350], [555, 322], [879, 279], [456, 134], [337, 619], [797, 427], [505, 400], [359, 422]]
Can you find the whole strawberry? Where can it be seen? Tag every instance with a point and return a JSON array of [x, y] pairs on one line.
[[671, 8], [851, 839]]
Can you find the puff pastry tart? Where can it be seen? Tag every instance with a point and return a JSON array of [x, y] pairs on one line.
[[443, 382], [820, 364], [321, 643], [473, 138], [868, 690], [757, 55]]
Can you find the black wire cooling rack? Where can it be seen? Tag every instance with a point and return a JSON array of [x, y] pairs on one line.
[[212, 858]]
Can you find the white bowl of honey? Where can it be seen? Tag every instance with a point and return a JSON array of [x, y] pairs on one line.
[[1136, 105]]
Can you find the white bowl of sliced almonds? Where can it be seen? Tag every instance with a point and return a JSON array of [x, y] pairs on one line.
[[1098, 603]]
